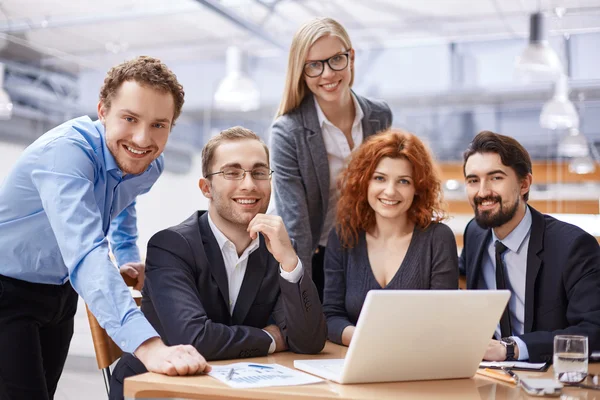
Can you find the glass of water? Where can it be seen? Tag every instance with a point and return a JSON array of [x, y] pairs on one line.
[[570, 358]]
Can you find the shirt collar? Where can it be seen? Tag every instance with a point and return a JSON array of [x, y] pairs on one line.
[[514, 240], [323, 119], [109, 160], [222, 239]]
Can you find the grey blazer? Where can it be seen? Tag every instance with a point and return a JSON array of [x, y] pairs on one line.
[[301, 178]]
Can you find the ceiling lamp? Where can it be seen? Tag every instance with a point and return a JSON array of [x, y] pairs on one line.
[[236, 92], [582, 165], [559, 112], [574, 144], [538, 62], [6, 105]]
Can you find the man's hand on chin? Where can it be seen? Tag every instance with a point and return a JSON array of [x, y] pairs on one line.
[[277, 239]]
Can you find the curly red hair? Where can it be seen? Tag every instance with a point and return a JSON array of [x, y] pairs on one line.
[[354, 214]]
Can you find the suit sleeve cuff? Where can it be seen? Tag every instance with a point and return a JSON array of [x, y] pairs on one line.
[[523, 352], [295, 275], [272, 346]]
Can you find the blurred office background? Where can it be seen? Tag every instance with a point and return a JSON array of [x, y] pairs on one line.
[[448, 69]]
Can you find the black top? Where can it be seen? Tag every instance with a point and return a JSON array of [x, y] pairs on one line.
[[431, 262]]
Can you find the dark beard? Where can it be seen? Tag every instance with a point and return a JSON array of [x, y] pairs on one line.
[[488, 220]]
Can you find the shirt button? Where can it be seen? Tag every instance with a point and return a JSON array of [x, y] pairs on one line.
[[123, 343]]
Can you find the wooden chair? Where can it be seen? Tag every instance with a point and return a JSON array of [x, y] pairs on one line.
[[107, 352]]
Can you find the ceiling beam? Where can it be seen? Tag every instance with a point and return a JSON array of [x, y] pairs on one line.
[[243, 23]]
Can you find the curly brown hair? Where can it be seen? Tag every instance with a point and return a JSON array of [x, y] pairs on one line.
[[354, 214], [147, 71]]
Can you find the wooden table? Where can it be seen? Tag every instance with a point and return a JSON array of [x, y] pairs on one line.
[[151, 385]]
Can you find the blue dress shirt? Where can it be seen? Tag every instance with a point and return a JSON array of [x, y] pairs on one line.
[[60, 206], [515, 259]]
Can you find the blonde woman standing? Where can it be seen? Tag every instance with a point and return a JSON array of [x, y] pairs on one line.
[[319, 122]]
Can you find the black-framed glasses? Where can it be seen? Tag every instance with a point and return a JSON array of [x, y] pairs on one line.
[[238, 174], [338, 62]]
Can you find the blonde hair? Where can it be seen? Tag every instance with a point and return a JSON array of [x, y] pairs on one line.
[[295, 87]]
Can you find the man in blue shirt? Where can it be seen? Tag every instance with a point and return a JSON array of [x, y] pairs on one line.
[[69, 199], [551, 268]]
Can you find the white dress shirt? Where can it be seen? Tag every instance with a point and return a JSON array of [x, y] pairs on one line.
[[235, 268], [338, 151]]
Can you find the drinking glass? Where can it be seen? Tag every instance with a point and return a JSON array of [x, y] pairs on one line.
[[570, 358]]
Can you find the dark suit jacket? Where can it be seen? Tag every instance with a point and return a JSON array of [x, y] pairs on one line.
[[186, 297], [562, 287], [301, 178]]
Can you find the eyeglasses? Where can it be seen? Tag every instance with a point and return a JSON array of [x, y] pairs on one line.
[[315, 68], [238, 174]]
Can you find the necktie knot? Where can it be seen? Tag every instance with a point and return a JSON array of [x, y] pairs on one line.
[[500, 247]]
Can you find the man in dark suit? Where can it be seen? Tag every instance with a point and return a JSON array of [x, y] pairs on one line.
[[228, 281], [551, 268]]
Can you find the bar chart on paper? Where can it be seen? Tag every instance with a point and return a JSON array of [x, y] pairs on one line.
[[248, 375]]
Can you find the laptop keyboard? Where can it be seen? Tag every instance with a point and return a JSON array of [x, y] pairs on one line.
[[336, 368]]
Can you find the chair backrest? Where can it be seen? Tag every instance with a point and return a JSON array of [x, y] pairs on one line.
[[107, 352]]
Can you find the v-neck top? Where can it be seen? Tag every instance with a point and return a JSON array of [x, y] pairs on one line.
[[431, 262]]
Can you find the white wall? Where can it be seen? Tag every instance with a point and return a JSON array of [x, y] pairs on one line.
[[172, 199]]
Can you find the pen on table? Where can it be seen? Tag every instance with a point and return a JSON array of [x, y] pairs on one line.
[[229, 374], [496, 374], [512, 374]]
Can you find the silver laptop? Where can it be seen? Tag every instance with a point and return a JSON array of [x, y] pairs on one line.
[[406, 335]]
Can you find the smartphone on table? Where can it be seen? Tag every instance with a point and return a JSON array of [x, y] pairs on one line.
[[541, 387]]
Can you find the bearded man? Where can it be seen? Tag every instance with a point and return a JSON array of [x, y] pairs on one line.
[[551, 268]]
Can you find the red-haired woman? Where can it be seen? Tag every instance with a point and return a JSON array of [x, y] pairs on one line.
[[388, 233]]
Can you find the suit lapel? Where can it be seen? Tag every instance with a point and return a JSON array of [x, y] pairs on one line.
[[318, 152], [255, 272], [370, 125], [214, 257], [483, 237], [534, 263]]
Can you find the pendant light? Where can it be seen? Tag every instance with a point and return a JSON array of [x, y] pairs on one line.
[[574, 144], [538, 62], [559, 112], [236, 92]]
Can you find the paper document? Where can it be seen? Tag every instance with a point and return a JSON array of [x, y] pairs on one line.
[[252, 375], [522, 365]]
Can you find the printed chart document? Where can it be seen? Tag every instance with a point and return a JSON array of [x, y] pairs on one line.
[[516, 365], [251, 375]]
